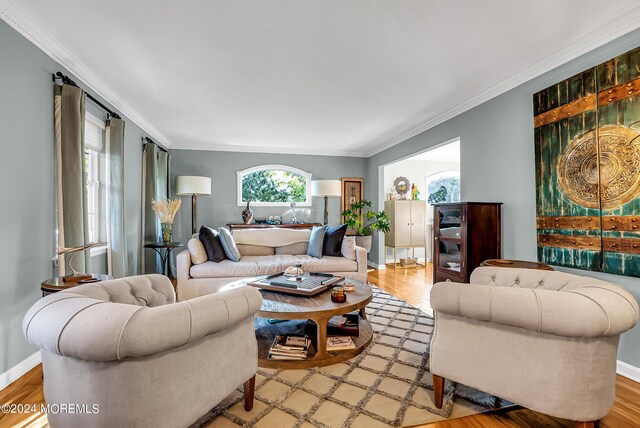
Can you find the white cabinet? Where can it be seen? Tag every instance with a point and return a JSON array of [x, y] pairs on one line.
[[408, 224]]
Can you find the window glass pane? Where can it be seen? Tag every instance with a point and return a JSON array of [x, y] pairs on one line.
[[444, 187], [273, 185]]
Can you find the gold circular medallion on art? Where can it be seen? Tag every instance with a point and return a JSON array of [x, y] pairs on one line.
[[617, 174]]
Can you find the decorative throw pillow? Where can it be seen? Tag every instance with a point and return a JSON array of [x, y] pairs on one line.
[[348, 248], [229, 244], [316, 241], [196, 249], [212, 245], [333, 240]]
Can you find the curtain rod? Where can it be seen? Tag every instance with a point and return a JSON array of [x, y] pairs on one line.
[[149, 140], [68, 81]]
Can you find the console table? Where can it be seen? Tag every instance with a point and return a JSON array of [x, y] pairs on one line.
[[236, 226]]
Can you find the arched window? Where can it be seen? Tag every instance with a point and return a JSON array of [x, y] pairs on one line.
[[273, 186], [443, 187]]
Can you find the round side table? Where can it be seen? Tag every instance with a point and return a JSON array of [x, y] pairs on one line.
[[519, 264], [53, 285], [164, 250]]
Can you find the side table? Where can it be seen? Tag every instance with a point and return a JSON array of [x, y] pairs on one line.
[[53, 285], [164, 250]]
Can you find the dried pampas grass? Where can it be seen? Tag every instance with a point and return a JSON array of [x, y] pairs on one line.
[[166, 209]]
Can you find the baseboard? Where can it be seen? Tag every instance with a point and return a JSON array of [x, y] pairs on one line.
[[628, 371], [375, 265], [15, 372]]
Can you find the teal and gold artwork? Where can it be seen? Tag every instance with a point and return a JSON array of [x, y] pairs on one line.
[[587, 143]]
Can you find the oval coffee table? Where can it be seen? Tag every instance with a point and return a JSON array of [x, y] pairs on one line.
[[298, 310]]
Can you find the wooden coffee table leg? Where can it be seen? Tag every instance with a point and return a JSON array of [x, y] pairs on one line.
[[321, 345], [363, 314]]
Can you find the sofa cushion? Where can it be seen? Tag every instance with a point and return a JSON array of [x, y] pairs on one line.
[[316, 241], [271, 237], [212, 246], [298, 248], [327, 264], [255, 250], [348, 248], [197, 251], [333, 240], [264, 265], [229, 245]]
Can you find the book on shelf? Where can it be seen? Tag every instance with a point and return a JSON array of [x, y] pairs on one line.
[[340, 343], [288, 346], [344, 325]]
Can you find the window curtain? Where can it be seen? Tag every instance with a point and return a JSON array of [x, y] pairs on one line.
[[73, 229], [115, 197], [155, 185]]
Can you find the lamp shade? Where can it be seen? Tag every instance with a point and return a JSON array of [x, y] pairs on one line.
[[326, 188], [193, 185]]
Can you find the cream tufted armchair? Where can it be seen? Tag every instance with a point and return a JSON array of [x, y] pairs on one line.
[[545, 340], [123, 353]]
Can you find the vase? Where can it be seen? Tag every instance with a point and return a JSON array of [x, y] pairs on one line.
[[364, 242], [166, 232], [247, 214]]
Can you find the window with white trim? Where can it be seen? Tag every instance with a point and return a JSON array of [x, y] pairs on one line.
[[94, 130], [274, 185]]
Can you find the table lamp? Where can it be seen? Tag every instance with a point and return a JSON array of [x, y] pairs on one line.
[[193, 185], [326, 188]]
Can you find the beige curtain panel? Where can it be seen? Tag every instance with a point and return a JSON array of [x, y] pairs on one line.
[[71, 181], [155, 185], [115, 195]]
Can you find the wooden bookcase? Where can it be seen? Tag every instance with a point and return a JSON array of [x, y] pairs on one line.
[[466, 233]]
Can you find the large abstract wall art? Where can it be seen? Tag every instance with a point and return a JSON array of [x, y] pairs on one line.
[[587, 143]]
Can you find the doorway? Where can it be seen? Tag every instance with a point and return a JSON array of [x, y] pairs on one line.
[[436, 174]]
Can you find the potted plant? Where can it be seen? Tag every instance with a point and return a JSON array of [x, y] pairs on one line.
[[363, 224]]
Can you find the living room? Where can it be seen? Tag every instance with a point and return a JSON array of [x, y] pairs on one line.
[[330, 91]]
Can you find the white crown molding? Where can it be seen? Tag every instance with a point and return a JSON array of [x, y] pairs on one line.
[[15, 372], [274, 150], [23, 23], [596, 38]]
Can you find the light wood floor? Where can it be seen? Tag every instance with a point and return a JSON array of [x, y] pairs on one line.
[[412, 285]]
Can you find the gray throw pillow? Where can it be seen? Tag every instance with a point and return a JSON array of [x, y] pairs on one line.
[[229, 244], [316, 241]]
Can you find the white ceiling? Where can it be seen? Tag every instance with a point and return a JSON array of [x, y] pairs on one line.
[[317, 76], [445, 153]]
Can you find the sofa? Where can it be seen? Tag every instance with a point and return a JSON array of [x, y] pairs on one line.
[[544, 340], [125, 354], [266, 251]]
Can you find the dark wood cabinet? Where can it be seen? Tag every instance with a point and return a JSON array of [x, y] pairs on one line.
[[464, 235]]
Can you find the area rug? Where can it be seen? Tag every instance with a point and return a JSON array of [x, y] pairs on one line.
[[388, 385]]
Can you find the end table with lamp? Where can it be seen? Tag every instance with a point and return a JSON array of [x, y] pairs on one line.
[[164, 250]]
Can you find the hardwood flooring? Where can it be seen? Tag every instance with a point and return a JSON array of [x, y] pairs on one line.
[[412, 285]]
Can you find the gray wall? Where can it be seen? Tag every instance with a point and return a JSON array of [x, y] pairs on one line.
[[27, 217], [221, 207], [497, 164]]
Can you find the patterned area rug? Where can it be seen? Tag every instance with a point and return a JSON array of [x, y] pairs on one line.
[[387, 385]]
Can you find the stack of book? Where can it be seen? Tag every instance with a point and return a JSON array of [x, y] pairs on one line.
[[340, 343], [288, 346]]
